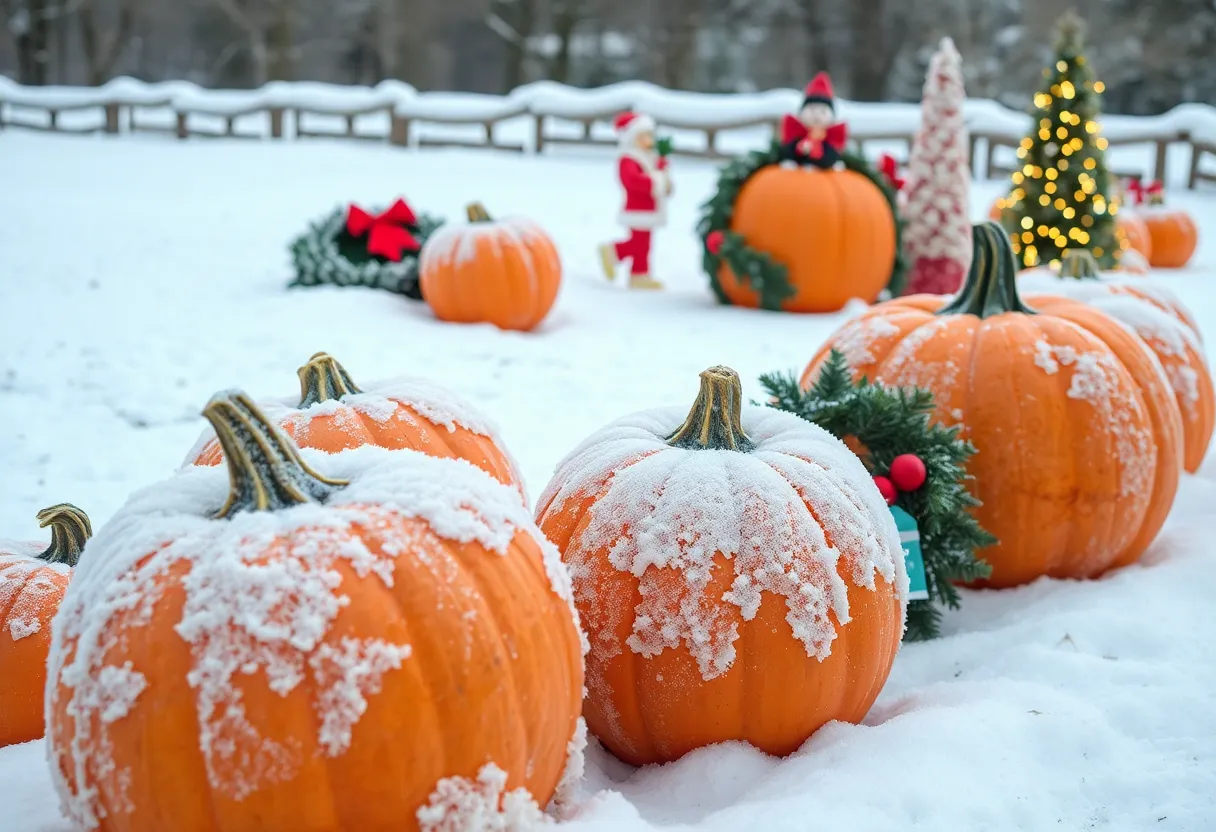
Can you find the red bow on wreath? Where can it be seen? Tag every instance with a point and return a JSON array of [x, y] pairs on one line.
[[810, 144], [388, 233], [1152, 192], [889, 168]]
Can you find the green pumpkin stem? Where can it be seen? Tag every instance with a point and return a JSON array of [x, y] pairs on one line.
[[265, 470], [715, 421], [477, 212], [1079, 264], [991, 287], [323, 379], [70, 529]]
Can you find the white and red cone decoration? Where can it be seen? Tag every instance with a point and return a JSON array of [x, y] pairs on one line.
[[937, 237]]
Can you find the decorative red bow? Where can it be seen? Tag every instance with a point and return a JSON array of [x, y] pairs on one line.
[[889, 168], [812, 145], [1153, 192], [388, 234]]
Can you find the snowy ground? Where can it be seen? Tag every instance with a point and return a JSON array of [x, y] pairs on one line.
[[138, 276]]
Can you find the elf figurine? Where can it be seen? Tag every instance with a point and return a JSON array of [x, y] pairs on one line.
[[814, 137], [644, 177]]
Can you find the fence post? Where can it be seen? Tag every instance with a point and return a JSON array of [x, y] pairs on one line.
[[399, 132], [1163, 148], [183, 129], [539, 137], [112, 111], [276, 122]]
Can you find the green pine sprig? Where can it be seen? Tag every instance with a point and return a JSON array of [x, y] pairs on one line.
[[889, 422]]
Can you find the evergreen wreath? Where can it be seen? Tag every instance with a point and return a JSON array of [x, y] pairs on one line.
[[887, 423], [765, 275], [328, 253]]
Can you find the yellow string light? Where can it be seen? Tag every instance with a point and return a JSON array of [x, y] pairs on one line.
[[1027, 237], [1062, 164], [1101, 142], [1090, 164], [1099, 87], [1070, 212], [1086, 220], [1052, 173], [1068, 89], [1027, 222], [1059, 203], [1050, 187], [1044, 200], [1044, 134], [1061, 133], [1061, 66]]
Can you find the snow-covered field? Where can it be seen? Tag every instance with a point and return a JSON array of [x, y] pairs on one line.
[[139, 276]]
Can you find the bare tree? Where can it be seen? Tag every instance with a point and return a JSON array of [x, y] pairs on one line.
[[103, 45]]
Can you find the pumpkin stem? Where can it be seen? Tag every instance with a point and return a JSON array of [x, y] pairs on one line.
[[991, 287], [715, 421], [477, 212], [323, 379], [70, 529], [265, 470], [1079, 263]]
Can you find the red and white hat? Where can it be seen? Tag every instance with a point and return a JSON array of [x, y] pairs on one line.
[[819, 91], [630, 125]]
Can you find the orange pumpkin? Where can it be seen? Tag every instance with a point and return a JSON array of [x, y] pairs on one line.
[[832, 229], [504, 272], [705, 569], [350, 651], [1177, 346], [1079, 436], [1132, 227], [1175, 236], [32, 580], [333, 414]]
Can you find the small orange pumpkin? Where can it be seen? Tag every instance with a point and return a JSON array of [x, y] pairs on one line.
[[1079, 436], [504, 272], [832, 229], [1132, 227], [333, 414], [1175, 236], [32, 581], [739, 575], [350, 651]]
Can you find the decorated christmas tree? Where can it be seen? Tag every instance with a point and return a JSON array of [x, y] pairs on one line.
[[937, 238], [1060, 197]]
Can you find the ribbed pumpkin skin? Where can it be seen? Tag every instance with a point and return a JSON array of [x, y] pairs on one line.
[[1054, 479], [30, 592], [1137, 232], [1175, 237], [832, 229], [505, 272]]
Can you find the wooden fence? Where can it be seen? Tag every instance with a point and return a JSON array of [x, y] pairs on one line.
[[122, 116]]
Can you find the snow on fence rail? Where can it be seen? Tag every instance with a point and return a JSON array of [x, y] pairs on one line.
[[537, 115]]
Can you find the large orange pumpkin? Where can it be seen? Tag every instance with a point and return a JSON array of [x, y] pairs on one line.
[[272, 648], [738, 572], [1079, 436], [504, 272], [32, 580], [1175, 236], [1177, 346], [833, 230], [333, 414]]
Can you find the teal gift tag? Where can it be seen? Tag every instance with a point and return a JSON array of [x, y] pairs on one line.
[[909, 538]]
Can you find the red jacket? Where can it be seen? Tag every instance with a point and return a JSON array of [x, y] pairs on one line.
[[645, 182]]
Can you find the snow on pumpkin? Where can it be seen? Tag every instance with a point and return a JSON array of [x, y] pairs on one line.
[[312, 630], [688, 539], [332, 413]]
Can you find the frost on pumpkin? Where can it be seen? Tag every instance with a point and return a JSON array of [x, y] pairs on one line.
[[261, 591], [795, 518], [28, 587], [455, 245], [576, 764], [1095, 379], [460, 804], [857, 336]]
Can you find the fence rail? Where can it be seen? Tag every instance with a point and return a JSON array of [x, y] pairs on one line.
[[399, 116]]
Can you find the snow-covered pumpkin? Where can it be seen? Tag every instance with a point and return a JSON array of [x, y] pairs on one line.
[[1080, 278], [268, 647], [833, 230], [505, 272], [1177, 346], [1079, 437], [739, 575], [33, 577], [1174, 234], [1130, 226], [333, 414]]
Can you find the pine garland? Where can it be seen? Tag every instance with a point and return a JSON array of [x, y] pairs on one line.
[[888, 422], [327, 253], [768, 277]]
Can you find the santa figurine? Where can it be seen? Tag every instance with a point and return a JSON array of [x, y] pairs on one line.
[[644, 177], [814, 137]]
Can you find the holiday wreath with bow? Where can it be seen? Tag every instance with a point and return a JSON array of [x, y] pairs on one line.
[[803, 225], [920, 468], [356, 247]]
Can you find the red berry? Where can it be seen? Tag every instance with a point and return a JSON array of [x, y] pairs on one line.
[[886, 488], [908, 472], [714, 240]]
